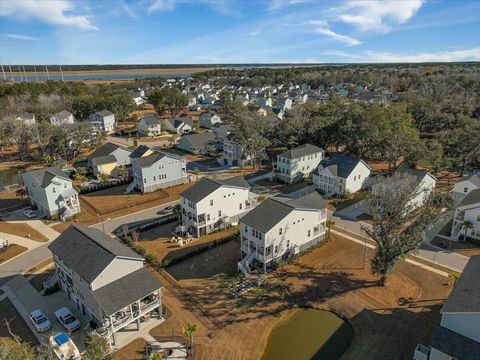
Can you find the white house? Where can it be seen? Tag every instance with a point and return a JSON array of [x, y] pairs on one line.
[[208, 119], [341, 175], [425, 184], [233, 154], [26, 118], [157, 171], [103, 121], [149, 125], [458, 335], [264, 102], [211, 205], [105, 280], [51, 191], [64, 117], [279, 227], [284, 103], [464, 186], [177, 126], [297, 163], [466, 221], [138, 96]]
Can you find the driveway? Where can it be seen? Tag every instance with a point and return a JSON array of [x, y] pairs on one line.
[[353, 211]]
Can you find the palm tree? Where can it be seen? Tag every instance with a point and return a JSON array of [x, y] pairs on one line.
[[467, 225], [121, 171], [189, 330], [196, 172], [177, 211], [21, 193], [329, 223]]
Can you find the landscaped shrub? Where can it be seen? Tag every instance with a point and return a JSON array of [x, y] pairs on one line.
[[140, 249], [152, 259]]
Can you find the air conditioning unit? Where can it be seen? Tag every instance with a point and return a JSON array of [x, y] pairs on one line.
[[422, 352]]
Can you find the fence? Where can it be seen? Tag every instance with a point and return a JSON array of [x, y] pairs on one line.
[[92, 187]]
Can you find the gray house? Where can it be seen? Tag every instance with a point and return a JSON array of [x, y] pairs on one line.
[[177, 126], [198, 143], [51, 191], [103, 120], [221, 131], [207, 119], [149, 125], [107, 157], [105, 280], [26, 118], [62, 118], [157, 171]]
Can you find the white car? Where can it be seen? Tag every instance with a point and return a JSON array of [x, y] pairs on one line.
[[30, 213], [66, 318], [40, 321]]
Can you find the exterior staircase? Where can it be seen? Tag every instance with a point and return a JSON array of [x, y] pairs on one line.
[[131, 187], [51, 281], [244, 264]]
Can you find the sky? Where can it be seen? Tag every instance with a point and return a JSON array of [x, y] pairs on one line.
[[238, 31]]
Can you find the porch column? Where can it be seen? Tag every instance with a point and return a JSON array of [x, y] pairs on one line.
[[160, 310], [264, 259]]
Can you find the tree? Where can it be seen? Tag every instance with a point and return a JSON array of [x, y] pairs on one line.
[[167, 100], [97, 348], [196, 171], [467, 227], [103, 177], [177, 212], [122, 171], [21, 193], [189, 330], [398, 225], [329, 223]]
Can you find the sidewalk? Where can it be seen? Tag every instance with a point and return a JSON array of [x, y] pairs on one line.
[[14, 239]]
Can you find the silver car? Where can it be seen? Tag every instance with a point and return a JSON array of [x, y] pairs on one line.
[[40, 321]]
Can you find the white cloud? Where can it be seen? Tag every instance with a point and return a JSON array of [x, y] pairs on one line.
[[472, 54], [339, 37], [57, 12], [377, 15], [221, 6], [21, 37], [279, 4], [128, 10]]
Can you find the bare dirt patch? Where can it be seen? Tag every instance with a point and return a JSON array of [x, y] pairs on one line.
[[17, 324], [462, 247], [22, 229], [10, 252]]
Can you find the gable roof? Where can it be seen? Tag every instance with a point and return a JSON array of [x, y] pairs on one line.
[[64, 114], [454, 344], [418, 174], [89, 251], [205, 187], [126, 290], [299, 151], [104, 113], [150, 119], [104, 150], [139, 151], [101, 160], [474, 179], [465, 296], [473, 197], [199, 140], [340, 165], [271, 211], [44, 177], [146, 161], [26, 116]]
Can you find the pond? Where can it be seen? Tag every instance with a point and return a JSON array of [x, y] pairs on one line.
[[8, 177], [309, 334]]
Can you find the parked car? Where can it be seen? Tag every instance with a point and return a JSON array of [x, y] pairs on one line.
[[64, 347], [166, 210], [67, 319], [29, 213], [40, 321]]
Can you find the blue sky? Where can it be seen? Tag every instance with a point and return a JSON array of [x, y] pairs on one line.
[[237, 31]]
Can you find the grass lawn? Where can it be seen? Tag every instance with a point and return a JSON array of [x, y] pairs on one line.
[[10, 252], [17, 324], [330, 277], [22, 229]]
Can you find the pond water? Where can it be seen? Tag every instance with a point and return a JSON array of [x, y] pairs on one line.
[[309, 334], [8, 177], [66, 76]]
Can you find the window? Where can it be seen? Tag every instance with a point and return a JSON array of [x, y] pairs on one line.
[[208, 217], [54, 190], [465, 190], [280, 231], [211, 202], [154, 178], [145, 180], [240, 207], [219, 213], [309, 231], [246, 229], [354, 178]]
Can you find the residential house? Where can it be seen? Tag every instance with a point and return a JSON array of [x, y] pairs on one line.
[[458, 335], [221, 131], [341, 175], [107, 157], [262, 112], [51, 192], [424, 181], [213, 204], [105, 280], [103, 121], [157, 171], [264, 102], [284, 103], [177, 126], [466, 220], [297, 163], [279, 227], [140, 151], [26, 118], [243, 100], [233, 154], [64, 117], [149, 125], [208, 119], [138, 96], [198, 143], [464, 186]]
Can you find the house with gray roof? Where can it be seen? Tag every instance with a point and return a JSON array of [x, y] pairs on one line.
[[26, 118], [341, 175], [51, 192], [181, 125], [103, 121], [424, 183], [64, 117], [464, 185], [221, 131], [297, 163], [149, 125], [157, 171], [458, 335], [213, 204], [105, 280], [208, 119], [279, 227], [201, 143], [466, 220], [106, 158]]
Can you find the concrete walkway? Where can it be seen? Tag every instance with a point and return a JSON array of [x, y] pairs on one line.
[[19, 240]]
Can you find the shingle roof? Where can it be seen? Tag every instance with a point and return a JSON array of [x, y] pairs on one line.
[[100, 160], [419, 174], [299, 151], [126, 290], [454, 344], [199, 140], [473, 197], [139, 151], [339, 165], [26, 116], [104, 150], [149, 160], [88, 251], [151, 119], [465, 296], [104, 113], [271, 211], [205, 187], [64, 114], [44, 177], [474, 179]]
